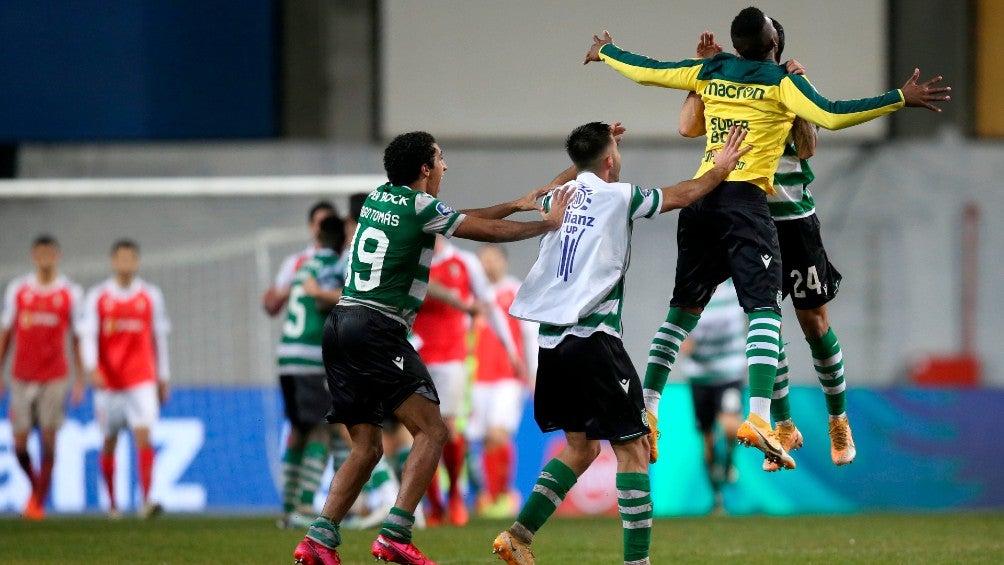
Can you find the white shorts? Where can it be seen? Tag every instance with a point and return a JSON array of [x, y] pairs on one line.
[[496, 405], [450, 379], [136, 407]]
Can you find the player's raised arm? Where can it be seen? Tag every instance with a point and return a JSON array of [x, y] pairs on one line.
[[680, 75], [726, 159], [481, 229], [692, 116]]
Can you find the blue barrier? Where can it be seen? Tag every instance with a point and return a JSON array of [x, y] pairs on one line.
[[218, 451]]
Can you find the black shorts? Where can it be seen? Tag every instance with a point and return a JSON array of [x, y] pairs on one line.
[[809, 277], [728, 233], [589, 385], [371, 367], [713, 399], [305, 399]]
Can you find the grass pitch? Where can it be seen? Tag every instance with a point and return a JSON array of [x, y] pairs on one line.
[[877, 538]]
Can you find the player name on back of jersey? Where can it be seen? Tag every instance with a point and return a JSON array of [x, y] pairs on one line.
[[386, 218]]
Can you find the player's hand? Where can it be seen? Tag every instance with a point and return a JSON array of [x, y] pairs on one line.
[[594, 51], [617, 130], [560, 199], [529, 201], [794, 67], [98, 379], [706, 46], [163, 392], [518, 367], [310, 286], [728, 156], [77, 392], [923, 95]]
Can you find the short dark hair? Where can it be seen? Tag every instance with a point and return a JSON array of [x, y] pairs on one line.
[[750, 34], [405, 154], [356, 202], [780, 39], [318, 206], [125, 243], [332, 234], [587, 144], [45, 239]]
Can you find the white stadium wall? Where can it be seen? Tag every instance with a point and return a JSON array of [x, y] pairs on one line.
[[476, 70]]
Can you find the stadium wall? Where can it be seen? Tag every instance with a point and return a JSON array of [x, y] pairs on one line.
[[219, 451]]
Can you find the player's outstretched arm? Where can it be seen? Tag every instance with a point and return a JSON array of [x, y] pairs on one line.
[[726, 159], [481, 229], [925, 94]]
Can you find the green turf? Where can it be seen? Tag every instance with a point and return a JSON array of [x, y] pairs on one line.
[[880, 538]]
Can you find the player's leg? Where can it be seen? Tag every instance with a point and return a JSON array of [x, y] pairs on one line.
[[292, 456], [697, 273], [51, 413], [22, 402], [730, 409], [634, 498], [505, 412], [703, 398], [311, 402], [109, 411], [827, 358], [814, 282], [142, 411], [780, 411], [450, 379], [754, 258]]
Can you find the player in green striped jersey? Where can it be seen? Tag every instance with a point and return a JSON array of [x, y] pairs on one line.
[[809, 277], [314, 290], [372, 370]]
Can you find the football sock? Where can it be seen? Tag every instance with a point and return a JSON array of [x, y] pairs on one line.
[[45, 478], [453, 460], [108, 472], [325, 533], [146, 455], [553, 483], [315, 457], [780, 407], [634, 502], [829, 363], [434, 497], [498, 465], [24, 460], [398, 525], [662, 354], [291, 477], [762, 347]]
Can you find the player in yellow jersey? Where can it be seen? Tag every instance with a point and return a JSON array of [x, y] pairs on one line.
[[730, 231]]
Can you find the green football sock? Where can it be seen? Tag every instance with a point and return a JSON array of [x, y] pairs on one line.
[[325, 533], [553, 484], [829, 363], [662, 354], [780, 407], [634, 502], [291, 460], [398, 524], [315, 457], [762, 348]]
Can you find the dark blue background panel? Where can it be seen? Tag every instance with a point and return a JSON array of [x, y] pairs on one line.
[[153, 69]]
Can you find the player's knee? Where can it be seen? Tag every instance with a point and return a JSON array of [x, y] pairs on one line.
[[814, 322]]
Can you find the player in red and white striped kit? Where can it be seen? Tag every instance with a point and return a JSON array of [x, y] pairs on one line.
[[499, 390], [39, 308], [443, 329], [124, 346]]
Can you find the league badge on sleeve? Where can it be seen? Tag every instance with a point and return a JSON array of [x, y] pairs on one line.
[[444, 210]]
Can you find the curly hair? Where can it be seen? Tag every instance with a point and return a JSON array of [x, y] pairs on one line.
[[405, 155], [587, 144], [751, 35]]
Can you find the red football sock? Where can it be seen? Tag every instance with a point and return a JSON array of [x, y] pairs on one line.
[[108, 472], [45, 479], [453, 460], [146, 469], [434, 497], [498, 469]]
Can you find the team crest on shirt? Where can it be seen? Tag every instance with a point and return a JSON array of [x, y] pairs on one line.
[[444, 210]]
